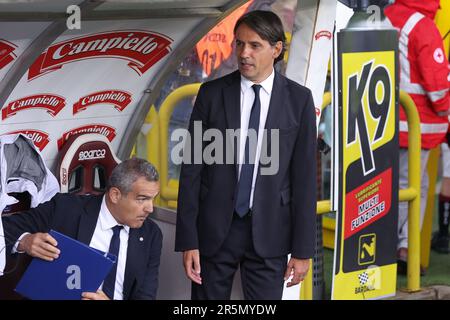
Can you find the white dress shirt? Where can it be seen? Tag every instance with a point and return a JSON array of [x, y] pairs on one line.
[[101, 239], [247, 98]]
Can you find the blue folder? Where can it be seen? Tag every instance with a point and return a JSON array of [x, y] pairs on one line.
[[79, 268]]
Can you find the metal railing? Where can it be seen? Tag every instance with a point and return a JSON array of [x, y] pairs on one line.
[[412, 193], [168, 192]]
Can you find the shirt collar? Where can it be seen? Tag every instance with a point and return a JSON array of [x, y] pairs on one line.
[[107, 221], [267, 84]]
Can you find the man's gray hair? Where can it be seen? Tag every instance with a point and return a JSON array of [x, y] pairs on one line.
[[129, 171]]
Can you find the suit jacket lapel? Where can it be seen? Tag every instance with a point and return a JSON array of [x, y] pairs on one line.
[[88, 221], [232, 98], [232, 104], [278, 99], [134, 256], [130, 266], [276, 110], [276, 104]]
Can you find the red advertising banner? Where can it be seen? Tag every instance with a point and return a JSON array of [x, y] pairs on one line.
[[120, 100], [323, 33], [368, 203], [107, 131], [6, 52], [141, 48], [52, 103], [39, 138]]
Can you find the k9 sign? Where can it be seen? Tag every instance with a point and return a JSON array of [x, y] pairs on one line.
[[366, 164]]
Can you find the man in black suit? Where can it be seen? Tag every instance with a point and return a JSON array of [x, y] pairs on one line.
[[93, 219], [233, 214]]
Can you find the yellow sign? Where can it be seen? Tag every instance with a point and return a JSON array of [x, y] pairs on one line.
[[367, 79], [366, 162]]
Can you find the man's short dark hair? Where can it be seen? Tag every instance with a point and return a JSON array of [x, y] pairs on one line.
[[267, 25], [129, 171]]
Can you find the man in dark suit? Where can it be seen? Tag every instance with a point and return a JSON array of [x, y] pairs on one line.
[[233, 214], [94, 220]]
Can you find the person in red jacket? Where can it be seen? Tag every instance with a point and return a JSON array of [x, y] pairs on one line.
[[423, 75]]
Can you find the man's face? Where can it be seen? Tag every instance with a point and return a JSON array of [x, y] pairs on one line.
[[255, 56], [133, 208]]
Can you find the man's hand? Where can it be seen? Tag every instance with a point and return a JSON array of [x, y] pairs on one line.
[[191, 262], [40, 245], [298, 268], [99, 295]]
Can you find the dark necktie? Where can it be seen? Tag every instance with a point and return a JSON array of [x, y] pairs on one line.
[[110, 280], [244, 187]]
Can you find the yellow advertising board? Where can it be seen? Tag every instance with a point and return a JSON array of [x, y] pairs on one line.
[[366, 164]]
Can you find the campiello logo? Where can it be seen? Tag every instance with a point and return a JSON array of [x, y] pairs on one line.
[[6, 52], [107, 131], [323, 33], [119, 99], [141, 48], [39, 138], [52, 103]]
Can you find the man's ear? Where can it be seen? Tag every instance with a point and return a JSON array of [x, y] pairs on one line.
[[114, 194], [277, 49]]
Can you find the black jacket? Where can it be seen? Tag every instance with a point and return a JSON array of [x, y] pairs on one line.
[[284, 205], [76, 217]]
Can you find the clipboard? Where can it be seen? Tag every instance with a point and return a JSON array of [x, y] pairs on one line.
[[79, 268]]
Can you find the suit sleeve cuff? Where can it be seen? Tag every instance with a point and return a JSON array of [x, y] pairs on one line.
[[16, 245]]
